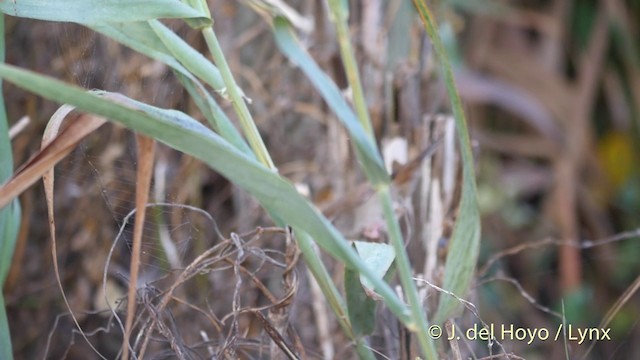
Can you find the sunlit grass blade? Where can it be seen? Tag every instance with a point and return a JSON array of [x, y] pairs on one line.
[[465, 240], [366, 150], [90, 12], [185, 134]]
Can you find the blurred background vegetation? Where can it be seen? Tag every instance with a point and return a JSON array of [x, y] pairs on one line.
[[552, 94]]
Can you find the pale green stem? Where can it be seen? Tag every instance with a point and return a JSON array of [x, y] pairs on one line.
[[239, 105], [364, 350], [340, 17], [406, 275], [321, 274]]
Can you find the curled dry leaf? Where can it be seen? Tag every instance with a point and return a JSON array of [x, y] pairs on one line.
[[56, 145]]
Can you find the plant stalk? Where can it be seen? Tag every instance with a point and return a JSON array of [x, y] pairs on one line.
[[406, 275], [239, 105], [340, 16]]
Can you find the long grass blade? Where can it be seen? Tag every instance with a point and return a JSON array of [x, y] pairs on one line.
[[8, 220], [9, 216], [89, 12], [465, 240], [366, 150]]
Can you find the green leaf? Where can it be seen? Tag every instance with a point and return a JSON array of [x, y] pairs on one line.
[[185, 134], [360, 305], [463, 253], [465, 239], [365, 148], [91, 12], [378, 256]]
